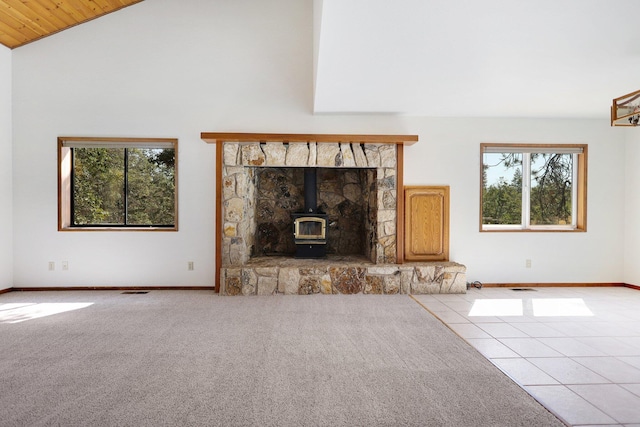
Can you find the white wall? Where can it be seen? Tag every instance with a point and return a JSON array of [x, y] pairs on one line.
[[6, 193], [160, 68], [174, 69], [632, 207], [449, 153]]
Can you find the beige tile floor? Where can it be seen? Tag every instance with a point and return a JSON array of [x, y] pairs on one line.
[[576, 350]]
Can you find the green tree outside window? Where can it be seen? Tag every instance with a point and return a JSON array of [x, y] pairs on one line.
[[123, 186], [529, 186]]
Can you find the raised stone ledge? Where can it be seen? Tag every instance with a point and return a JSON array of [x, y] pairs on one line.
[[341, 275]]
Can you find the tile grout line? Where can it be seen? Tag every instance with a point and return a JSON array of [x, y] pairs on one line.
[[562, 420]]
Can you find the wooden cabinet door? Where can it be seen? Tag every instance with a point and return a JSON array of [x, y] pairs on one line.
[[426, 223]]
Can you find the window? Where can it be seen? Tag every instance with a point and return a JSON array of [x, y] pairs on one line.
[[117, 184], [533, 187]]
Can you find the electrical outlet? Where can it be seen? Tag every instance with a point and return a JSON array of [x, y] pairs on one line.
[[65, 265], [190, 265], [527, 263], [52, 265]]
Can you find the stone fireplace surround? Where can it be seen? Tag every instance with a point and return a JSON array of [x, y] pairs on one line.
[[379, 269]]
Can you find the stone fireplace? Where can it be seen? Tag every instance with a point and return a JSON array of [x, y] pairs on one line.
[[261, 189], [263, 186]]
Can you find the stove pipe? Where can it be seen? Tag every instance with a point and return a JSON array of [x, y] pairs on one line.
[[310, 190]]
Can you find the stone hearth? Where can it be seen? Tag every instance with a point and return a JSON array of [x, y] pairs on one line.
[[342, 275], [357, 188]]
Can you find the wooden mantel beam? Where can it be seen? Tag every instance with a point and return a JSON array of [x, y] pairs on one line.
[[215, 137]]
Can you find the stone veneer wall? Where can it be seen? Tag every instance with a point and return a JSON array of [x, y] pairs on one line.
[[279, 194], [239, 189], [370, 194], [238, 206]]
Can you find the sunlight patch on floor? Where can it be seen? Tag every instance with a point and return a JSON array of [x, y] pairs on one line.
[[20, 312], [540, 307], [497, 307], [549, 307]]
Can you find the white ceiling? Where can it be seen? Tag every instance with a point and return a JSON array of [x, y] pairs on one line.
[[475, 58]]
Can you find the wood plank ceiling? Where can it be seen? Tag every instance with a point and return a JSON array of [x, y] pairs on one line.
[[24, 21]]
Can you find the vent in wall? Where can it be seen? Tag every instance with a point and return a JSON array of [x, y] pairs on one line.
[[135, 292], [524, 289]]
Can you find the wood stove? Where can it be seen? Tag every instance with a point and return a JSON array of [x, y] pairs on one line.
[[310, 226]]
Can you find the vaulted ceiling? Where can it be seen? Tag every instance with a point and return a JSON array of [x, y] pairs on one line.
[[23, 21]]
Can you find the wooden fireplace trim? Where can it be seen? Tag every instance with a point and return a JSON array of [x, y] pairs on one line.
[[215, 137], [219, 138]]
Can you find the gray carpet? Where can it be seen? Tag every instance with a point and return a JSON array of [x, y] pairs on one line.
[[180, 358]]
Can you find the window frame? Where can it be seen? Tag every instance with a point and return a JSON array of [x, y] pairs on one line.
[[65, 198], [579, 190]]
